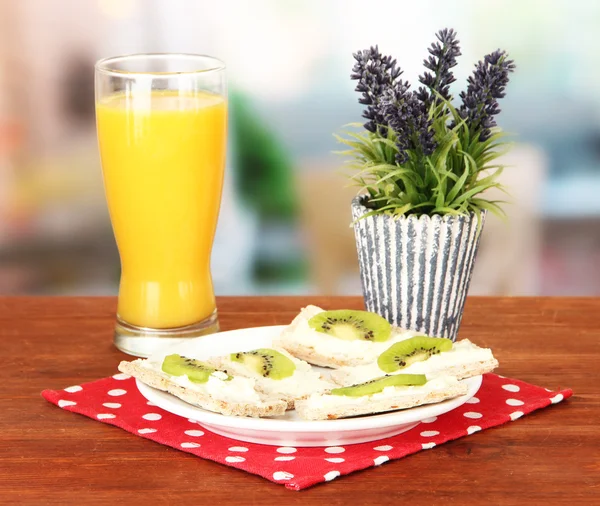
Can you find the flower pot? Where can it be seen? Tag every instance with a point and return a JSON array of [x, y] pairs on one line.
[[415, 271]]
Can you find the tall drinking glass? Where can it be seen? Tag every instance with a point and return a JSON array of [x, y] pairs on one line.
[[162, 129]]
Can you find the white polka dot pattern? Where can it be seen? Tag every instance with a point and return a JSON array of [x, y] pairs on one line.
[[194, 433], [234, 459], [152, 416], [238, 449], [286, 449], [117, 392], [146, 431], [189, 444], [282, 475], [117, 401], [331, 475], [380, 460], [516, 415]]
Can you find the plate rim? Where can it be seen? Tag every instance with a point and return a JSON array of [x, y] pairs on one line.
[[378, 421], [375, 421]]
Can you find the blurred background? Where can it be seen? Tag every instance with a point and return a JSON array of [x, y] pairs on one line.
[[284, 223]]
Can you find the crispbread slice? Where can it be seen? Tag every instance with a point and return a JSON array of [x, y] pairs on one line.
[[345, 376], [469, 370], [223, 364], [267, 407], [272, 388], [310, 355], [299, 340], [293, 344], [331, 407]]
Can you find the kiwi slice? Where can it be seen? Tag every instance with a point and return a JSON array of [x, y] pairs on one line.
[[352, 325], [269, 363], [196, 371], [377, 385], [416, 349]]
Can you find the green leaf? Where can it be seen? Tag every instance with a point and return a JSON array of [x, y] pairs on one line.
[[398, 173], [446, 210], [474, 191], [444, 147], [379, 211], [490, 206], [452, 194], [491, 178], [447, 182], [388, 142], [355, 124], [361, 137], [362, 147], [403, 209], [448, 174]]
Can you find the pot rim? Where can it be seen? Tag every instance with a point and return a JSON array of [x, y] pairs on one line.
[[357, 203]]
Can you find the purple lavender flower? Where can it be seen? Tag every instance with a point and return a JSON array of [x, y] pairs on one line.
[[442, 57], [391, 105], [407, 116], [375, 74], [485, 87]]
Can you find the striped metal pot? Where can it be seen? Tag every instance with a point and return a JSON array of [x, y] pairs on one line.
[[415, 271]]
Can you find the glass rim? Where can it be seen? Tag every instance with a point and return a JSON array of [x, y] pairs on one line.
[[103, 65]]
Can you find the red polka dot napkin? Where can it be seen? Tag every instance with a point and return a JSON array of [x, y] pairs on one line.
[[117, 401]]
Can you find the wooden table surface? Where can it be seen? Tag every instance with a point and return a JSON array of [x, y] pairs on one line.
[[50, 456]]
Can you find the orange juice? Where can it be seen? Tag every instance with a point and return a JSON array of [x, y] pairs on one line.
[[163, 157]]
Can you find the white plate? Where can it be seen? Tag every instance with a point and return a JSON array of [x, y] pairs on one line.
[[290, 429]]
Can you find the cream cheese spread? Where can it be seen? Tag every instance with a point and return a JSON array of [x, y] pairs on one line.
[[462, 353], [300, 332]]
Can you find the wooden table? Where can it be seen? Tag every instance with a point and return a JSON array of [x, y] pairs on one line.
[[52, 456]]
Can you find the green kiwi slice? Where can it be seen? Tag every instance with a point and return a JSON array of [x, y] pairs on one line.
[[267, 362], [377, 385], [196, 371], [352, 325], [416, 349]]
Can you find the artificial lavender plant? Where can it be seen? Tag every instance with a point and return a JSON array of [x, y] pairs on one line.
[[486, 86], [375, 74], [418, 153]]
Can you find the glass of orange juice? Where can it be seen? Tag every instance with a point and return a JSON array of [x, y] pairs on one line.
[[162, 130]]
